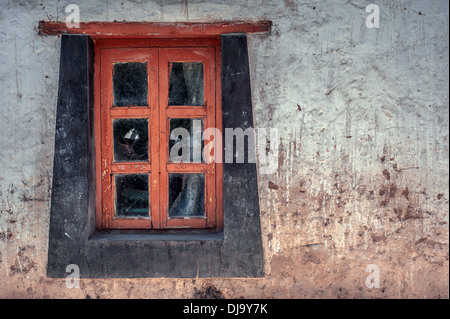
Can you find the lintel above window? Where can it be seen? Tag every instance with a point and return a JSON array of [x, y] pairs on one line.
[[155, 29]]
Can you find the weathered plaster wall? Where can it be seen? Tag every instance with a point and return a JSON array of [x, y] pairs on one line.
[[363, 164]]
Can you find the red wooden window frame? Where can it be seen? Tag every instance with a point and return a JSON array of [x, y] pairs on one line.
[[157, 53]]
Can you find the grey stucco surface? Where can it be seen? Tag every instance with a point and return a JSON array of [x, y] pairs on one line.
[[363, 159]]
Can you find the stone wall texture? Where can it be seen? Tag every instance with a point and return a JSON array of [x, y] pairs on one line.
[[363, 120]]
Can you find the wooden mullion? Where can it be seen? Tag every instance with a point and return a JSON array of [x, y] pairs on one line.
[[99, 223], [131, 168], [130, 112], [218, 145], [210, 102], [186, 167], [155, 154], [187, 112], [164, 138], [106, 142]]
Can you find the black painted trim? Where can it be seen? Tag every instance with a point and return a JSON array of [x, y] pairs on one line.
[[70, 200], [237, 252]]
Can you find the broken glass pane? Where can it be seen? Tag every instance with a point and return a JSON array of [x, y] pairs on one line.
[[186, 83], [186, 195], [130, 84], [132, 195], [185, 142], [130, 140]]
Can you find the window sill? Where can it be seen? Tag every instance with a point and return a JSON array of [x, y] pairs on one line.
[[144, 237]]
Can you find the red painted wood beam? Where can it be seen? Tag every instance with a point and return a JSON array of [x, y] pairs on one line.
[[155, 29]]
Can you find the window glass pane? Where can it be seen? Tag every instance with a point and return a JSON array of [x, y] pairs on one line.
[[186, 195], [130, 84], [185, 141], [132, 195], [130, 140], [186, 83]]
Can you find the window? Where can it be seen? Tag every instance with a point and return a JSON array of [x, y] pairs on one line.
[[232, 250], [155, 99]]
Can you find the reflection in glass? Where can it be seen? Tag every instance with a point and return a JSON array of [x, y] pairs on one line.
[[130, 84], [130, 140], [187, 195], [132, 195], [185, 142], [186, 83]]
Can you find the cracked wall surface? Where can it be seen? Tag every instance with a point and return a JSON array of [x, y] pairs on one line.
[[363, 159]]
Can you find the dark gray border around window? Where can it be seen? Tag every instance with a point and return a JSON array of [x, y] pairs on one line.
[[236, 252]]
